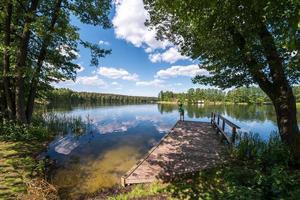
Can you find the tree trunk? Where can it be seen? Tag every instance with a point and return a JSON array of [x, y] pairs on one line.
[[278, 88], [282, 94], [21, 64], [40, 60], [286, 112], [6, 63]]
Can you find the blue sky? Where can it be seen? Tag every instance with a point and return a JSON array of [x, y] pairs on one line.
[[139, 64]]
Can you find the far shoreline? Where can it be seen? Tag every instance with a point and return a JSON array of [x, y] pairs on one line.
[[218, 103]]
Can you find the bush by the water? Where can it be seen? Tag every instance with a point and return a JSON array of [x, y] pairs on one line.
[[257, 170], [42, 128], [12, 131]]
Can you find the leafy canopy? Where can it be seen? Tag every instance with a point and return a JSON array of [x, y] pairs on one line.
[[203, 30], [62, 40]]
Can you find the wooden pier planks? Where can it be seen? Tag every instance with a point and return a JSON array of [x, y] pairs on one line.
[[188, 147]]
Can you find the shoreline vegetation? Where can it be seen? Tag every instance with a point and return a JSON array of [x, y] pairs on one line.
[[64, 95], [210, 103], [24, 169], [241, 95]]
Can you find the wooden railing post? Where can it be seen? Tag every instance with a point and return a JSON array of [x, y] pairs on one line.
[[223, 125], [233, 134]]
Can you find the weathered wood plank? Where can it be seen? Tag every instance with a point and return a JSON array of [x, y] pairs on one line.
[[188, 147]]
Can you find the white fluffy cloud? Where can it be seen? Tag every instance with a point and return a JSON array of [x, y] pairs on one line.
[[131, 77], [117, 73], [174, 71], [155, 82], [101, 42], [129, 25], [171, 56], [90, 80]]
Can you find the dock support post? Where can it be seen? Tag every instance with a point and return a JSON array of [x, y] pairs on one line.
[[233, 134], [223, 125], [123, 181]]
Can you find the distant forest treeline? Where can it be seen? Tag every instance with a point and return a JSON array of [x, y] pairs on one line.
[[251, 95], [67, 95]]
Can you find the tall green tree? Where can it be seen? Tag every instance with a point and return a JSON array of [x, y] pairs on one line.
[[38, 45], [240, 42]]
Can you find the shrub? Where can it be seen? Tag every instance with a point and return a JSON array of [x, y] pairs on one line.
[[265, 153], [42, 127], [11, 131]]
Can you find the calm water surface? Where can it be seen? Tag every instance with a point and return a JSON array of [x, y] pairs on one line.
[[118, 136]]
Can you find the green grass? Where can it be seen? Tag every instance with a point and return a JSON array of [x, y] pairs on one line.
[[142, 190], [17, 167]]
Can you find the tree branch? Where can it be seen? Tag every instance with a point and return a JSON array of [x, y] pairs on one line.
[[251, 62]]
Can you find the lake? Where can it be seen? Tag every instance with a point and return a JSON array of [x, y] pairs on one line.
[[117, 136]]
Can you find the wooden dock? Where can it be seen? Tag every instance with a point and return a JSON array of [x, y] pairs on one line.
[[188, 147]]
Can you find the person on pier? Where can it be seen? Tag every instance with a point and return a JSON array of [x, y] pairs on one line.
[[181, 111]]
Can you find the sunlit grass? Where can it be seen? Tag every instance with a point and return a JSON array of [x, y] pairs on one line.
[[17, 167], [142, 190]]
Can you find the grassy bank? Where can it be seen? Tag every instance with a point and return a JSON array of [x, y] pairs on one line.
[[22, 172], [22, 169], [256, 170]]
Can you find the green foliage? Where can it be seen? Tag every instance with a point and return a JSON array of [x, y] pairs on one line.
[[225, 35], [11, 131], [141, 191], [67, 95], [62, 124], [19, 166], [250, 95], [296, 91], [42, 128], [39, 46], [270, 153], [193, 95]]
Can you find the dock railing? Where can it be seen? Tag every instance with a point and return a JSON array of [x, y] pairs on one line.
[[219, 122]]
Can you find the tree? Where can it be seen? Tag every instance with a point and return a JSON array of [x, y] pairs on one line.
[[39, 45], [240, 43]]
